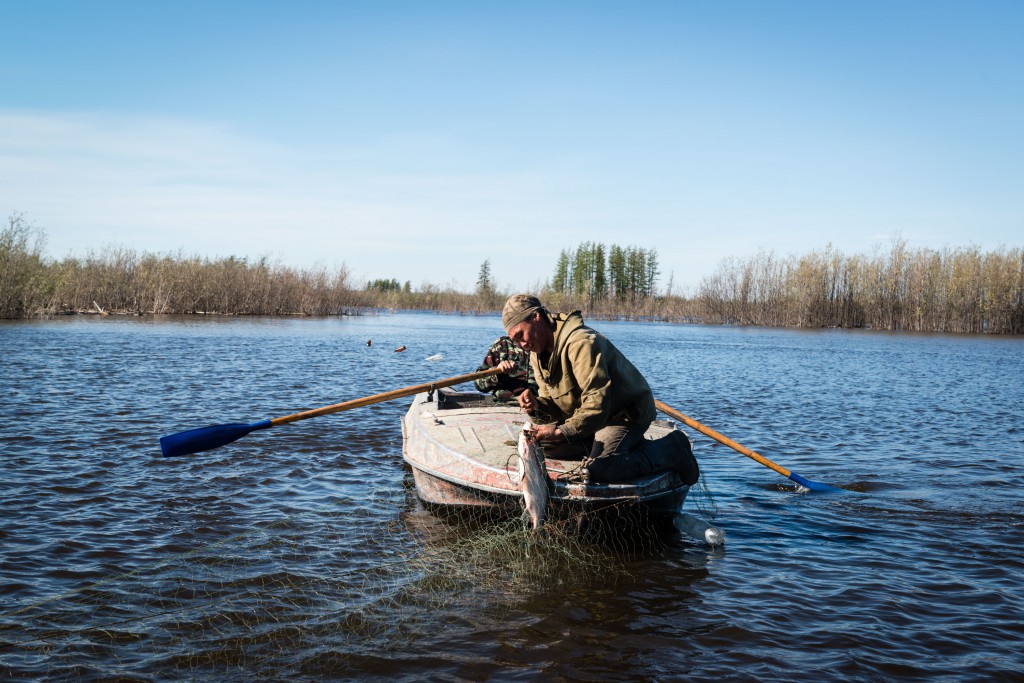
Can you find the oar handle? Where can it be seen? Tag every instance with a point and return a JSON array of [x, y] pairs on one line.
[[380, 398], [721, 438]]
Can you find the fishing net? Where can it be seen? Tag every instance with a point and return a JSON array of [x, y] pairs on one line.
[[701, 500], [344, 586], [292, 595]]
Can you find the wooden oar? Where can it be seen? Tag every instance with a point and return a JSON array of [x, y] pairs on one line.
[[703, 429], [215, 436]]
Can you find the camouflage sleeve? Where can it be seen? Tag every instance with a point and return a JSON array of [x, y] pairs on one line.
[[506, 349], [492, 358]]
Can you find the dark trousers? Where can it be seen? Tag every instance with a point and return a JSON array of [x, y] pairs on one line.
[[614, 453], [620, 452]]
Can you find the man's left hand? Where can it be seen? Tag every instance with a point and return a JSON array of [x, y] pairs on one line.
[[548, 433]]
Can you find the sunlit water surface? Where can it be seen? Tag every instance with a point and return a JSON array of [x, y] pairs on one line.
[[301, 552]]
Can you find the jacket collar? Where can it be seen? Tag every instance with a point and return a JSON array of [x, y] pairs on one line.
[[565, 325]]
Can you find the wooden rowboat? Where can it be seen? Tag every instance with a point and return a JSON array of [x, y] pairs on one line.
[[462, 448]]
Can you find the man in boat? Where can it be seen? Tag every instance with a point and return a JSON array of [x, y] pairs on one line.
[[595, 404], [516, 376]]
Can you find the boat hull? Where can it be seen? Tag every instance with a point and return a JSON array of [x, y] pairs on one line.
[[462, 448]]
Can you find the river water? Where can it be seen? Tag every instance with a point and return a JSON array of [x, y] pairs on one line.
[[301, 552]]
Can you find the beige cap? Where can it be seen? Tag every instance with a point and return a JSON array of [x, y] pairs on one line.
[[518, 308]]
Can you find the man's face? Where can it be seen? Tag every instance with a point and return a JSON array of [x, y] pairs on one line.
[[533, 334]]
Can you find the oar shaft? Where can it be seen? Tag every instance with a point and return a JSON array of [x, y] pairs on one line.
[[214, 436], [721, 438], [380, 398]]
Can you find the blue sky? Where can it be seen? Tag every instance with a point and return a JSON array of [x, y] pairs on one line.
[[414, 140]]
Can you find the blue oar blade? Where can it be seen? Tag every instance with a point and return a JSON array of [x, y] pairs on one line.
[[206, 438], [812, 485]]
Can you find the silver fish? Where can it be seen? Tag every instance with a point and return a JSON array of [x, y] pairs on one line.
[[533, 478]]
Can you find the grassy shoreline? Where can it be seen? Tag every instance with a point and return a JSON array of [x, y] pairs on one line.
[[960, 290]]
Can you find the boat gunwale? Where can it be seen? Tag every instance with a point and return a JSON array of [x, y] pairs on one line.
[[561, 488]]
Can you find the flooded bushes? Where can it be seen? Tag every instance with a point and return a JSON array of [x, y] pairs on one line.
[[121, 280], [24, 285], [952, 290]]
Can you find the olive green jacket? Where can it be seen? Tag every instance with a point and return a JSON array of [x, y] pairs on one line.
[[587, 384]]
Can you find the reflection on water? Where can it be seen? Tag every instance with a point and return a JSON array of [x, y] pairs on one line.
[[302, 552]]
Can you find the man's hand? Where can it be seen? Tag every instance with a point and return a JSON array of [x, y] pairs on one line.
[[506, 366], [527, 401], [546, 433]]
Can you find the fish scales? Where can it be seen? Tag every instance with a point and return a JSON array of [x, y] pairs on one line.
[[533, 479]]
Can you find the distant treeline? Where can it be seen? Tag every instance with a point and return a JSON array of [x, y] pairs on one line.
[[954, 290], [597, 271], [124, 281]]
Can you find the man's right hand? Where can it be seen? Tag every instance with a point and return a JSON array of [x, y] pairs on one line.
[[527, 401], [506, 366]]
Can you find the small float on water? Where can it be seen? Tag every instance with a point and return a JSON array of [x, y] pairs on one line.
[[463, 451]]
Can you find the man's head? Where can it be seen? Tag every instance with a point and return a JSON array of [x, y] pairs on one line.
[[526, 322], [518, 308]]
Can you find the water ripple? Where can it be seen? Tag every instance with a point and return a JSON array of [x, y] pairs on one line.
[[301, 552]]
